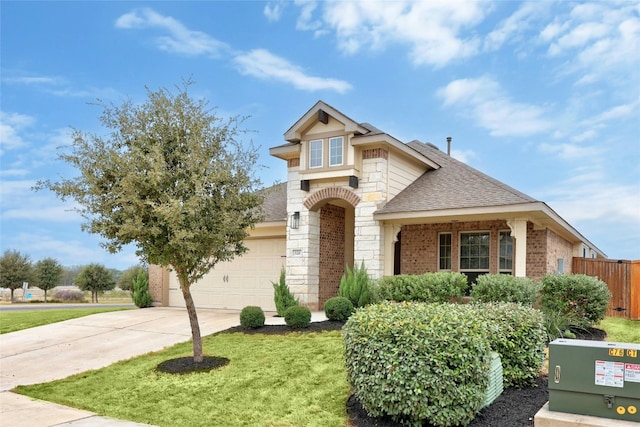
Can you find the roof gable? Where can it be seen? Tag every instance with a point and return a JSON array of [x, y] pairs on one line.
[[320, 113]]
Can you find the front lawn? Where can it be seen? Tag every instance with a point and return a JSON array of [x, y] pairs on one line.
[[11, 321], [621, 330], [296, 379]]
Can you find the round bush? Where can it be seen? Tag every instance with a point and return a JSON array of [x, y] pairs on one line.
[[338, 308], [518, 334], [505, 288], [418, 362], [252, 317], [582, 300], [297, 316]]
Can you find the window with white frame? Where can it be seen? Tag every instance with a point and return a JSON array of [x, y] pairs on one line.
[[336, 147], [444, 251], [505, 261], [315, 153], [474, 254]]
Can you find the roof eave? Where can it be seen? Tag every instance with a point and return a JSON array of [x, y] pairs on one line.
[[398, 145], [294, 133]]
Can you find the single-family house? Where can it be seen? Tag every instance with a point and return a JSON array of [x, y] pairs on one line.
[[355, 193]]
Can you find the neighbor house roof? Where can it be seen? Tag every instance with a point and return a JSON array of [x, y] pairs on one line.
[[274, 207]]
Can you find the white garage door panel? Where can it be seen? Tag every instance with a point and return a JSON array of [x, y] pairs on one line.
[[244, 281]]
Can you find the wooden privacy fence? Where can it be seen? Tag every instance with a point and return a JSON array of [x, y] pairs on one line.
[[623, 279]]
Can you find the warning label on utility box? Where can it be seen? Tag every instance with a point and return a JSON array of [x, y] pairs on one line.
[[632, 372], [610, 374]]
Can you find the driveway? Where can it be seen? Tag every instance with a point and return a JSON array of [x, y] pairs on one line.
[[55, 351]]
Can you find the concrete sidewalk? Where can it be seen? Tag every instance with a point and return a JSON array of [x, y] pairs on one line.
[[55, 351]]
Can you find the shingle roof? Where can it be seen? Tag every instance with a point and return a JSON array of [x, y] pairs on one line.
[[455, 185], [274, 207]]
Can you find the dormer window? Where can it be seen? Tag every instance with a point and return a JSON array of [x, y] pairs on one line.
[[315, 153], [336, 149], [334, 146]]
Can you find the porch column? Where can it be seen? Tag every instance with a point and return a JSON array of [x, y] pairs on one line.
[[390, 238], [519, 233]]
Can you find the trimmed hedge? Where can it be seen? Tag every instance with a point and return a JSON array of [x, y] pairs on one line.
[[442, 286], [338, 308], [418, 362], [297, 316], [579, 299], [252, 317], [518, 334], [505, 288]]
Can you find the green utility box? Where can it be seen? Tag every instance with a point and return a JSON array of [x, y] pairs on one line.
[[595, 378]]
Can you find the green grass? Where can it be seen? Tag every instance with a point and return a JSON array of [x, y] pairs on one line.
[[11, 321], [271, 380], [621, 330]]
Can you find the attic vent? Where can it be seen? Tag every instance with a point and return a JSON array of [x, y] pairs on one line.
[[323, 117], [433, 146]]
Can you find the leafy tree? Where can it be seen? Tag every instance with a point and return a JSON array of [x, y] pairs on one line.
[[141, 296], [170, 177], [125, 282], [15, 269], [47, 274], [95, 278]]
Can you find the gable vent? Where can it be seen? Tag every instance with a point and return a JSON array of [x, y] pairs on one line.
[[323, 117]]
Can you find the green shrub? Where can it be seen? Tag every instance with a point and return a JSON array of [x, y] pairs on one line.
[[505, 288], [140, 287], [582, 299], [282, 296], [518, 334], [355, 285], [557, 325], [252, 317], [442, 286], [338, 308], [297, 316], [418, 362]]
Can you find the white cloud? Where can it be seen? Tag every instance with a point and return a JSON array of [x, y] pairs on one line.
[[512, 27], [273, 10], [570, 151], [181, 39], [11, 124], [267, 66], [484, 101], [597, 41], [434, 31], [464, 156], [41, 80]]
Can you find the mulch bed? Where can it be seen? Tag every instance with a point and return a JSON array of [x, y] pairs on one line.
[[513, 408]]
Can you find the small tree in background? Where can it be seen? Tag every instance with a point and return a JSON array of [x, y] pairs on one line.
[[15, 269], [282, 295], [125, 282], [47, 274], [355, 285], [95, 278]]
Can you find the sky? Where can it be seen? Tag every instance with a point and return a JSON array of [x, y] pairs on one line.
[[543, 96]]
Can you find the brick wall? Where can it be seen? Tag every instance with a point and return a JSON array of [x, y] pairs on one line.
[[420, 244], [332, 257]]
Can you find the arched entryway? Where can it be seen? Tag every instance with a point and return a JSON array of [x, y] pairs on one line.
[[336, 212]]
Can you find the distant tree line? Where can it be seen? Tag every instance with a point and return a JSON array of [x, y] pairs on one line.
[[17, 268]]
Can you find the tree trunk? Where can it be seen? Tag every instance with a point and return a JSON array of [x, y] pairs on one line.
[[193, 319]]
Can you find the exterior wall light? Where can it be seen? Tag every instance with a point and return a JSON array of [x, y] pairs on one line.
[[295, 220]]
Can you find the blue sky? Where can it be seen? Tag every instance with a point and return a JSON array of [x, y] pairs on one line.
[[544, 96]]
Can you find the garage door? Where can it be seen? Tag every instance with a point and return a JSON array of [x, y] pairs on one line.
[[244, 281]]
